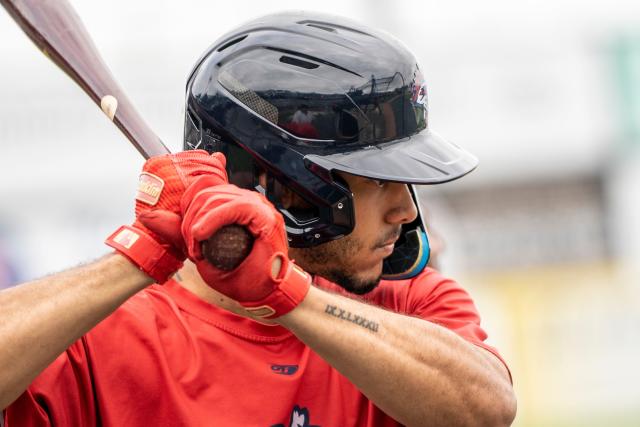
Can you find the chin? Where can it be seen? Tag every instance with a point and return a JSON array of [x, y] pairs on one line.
[[359, 285]]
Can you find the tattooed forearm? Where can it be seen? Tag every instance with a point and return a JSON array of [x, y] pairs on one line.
[[346, 315]]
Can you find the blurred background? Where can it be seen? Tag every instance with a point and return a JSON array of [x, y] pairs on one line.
[[545, 234]]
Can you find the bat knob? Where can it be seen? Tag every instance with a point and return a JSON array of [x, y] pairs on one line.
[[228, 247]]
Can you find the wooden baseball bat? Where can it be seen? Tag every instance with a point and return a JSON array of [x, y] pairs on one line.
[[58, 32]]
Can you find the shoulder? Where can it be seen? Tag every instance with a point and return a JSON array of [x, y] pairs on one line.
[[144, 307], [437, 299], [413, 295], [141, 319]]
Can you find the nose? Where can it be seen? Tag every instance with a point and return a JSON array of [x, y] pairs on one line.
[[402, 208]]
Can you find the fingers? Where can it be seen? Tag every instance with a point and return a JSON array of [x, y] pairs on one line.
[[166, 224], [220, 158], [202, 225], [190, 199], [194, 163], [213, 208], [257, 218]]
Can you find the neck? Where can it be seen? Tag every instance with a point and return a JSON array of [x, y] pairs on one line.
[[190, 280]]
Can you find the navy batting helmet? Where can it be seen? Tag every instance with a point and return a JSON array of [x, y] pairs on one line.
[[300, 96]]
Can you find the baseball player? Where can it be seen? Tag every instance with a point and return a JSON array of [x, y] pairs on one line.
[[333, 318]]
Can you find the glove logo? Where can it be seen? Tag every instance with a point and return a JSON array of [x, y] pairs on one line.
[[149, 188], [262, 311], [126, 238]]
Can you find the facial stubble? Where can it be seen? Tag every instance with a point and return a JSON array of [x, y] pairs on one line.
[[331, 260]]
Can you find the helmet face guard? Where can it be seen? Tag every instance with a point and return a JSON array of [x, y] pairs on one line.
[[301, 97]]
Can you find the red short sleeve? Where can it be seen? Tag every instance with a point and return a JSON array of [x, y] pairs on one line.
[[60, 396], [443, 301]]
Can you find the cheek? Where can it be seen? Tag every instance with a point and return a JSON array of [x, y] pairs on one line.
[[348, 255], [351, 254], [369, 215], [365, 207], [347, 248]]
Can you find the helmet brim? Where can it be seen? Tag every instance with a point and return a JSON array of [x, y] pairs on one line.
[[423, 158]]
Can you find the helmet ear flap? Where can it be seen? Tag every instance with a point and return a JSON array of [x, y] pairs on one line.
[[196, 137], [241, 167], [245, 172], [211, 142], [192, 131], [293, 206]]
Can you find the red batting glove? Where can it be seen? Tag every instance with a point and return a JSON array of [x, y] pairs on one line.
[[154, 242], [264, 289]]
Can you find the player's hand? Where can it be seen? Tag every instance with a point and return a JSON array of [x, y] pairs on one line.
[[267, 284], [154, 242]]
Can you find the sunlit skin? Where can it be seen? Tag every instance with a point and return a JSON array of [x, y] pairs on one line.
[[355, 261]]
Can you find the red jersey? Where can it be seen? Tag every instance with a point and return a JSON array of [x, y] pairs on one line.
[[168, 358]]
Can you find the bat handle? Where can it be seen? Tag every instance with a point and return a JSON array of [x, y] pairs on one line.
[[228, 247]]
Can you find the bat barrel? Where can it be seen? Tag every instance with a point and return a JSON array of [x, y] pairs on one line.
[[59, 33]]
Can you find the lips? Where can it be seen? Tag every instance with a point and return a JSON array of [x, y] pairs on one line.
[[387, 249], [387, 246], [392, 240]]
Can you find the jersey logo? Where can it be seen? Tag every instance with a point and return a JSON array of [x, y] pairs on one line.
[[299, 418], [284, 369]]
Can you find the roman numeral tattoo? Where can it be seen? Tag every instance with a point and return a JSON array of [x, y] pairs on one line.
[[346, 315]]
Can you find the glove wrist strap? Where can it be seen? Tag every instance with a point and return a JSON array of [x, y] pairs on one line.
[[290, 292], [145, 252]]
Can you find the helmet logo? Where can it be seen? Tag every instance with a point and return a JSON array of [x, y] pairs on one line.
[[418, 89], [420, 96]]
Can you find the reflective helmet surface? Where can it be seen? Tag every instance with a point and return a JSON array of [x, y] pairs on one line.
[[301, 96]]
